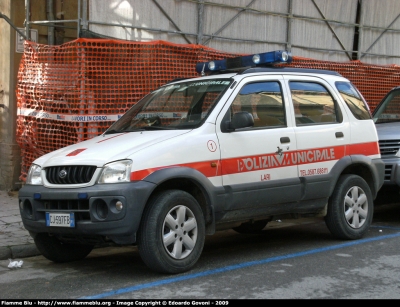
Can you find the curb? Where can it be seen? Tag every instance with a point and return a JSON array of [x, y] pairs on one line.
[[18, 251]]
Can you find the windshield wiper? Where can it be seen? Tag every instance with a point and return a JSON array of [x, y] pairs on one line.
[[144, 128], [156, 128], [112, 131]]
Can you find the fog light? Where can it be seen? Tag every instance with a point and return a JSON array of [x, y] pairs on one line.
[[119, 205]]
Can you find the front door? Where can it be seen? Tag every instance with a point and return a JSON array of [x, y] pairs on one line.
[[257, 164]]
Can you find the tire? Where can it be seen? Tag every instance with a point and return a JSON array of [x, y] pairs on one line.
[[172, 232], [251, 227], [57, 251], [350, 208]]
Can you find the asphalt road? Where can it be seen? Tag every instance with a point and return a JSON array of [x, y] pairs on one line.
[[291, 259]]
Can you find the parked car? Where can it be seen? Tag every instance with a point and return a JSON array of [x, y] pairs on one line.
[[241, 145], [387, 121]]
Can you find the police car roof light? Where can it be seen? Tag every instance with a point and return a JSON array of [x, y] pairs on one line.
[[260, 59]]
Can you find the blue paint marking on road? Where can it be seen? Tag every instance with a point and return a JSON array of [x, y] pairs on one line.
[[236, 267]]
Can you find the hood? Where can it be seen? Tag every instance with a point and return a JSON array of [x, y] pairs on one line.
[[388, 131], [106, 148]]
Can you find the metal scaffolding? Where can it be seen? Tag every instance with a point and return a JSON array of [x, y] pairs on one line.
[[200, 37]]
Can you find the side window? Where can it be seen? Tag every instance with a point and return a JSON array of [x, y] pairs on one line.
[[264, 101], [313, 104], [354, 101]]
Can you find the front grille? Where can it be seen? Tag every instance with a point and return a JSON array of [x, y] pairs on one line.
[[389, 147], [67, 205], [71, 174], [79, 207]]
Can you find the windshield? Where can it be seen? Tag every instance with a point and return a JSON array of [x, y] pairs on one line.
[[389, 109], [183, 105]]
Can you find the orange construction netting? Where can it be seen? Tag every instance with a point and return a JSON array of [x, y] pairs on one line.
[[73, 92]]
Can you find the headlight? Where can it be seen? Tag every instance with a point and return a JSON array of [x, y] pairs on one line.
[[115, 172], [34, 176]]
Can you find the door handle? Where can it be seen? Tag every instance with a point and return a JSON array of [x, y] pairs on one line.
[[285, 139], [339, 134]]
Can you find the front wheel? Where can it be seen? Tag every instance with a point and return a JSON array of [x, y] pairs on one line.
[[58, 251], [172, 232], [350, 208]]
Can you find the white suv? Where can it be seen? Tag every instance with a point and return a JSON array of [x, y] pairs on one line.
[[236, 148]]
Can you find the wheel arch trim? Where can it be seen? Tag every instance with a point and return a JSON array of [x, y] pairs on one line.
[[212, 194]]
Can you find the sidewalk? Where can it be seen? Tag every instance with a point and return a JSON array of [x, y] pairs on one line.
[[15, 241]]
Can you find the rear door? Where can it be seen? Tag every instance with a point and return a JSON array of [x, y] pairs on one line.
[[322, 131]]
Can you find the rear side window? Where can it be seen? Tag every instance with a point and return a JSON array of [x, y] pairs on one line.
[[313, 104], [354, 100]]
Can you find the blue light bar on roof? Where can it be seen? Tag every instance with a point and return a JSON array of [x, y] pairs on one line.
[[260, 59]]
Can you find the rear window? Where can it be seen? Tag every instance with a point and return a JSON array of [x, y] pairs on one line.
[[354, 100]]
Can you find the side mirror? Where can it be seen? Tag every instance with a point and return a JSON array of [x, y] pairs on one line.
[[241, 120]]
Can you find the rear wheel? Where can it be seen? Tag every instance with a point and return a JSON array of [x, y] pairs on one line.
[[172, 232], [57, 251], [251, 227], [350, 208]]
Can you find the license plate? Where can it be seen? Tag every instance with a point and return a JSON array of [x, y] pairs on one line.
[[60, 219]]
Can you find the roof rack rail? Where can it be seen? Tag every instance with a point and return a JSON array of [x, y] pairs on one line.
[[290, 69]]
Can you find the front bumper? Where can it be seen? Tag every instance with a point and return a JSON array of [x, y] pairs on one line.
[[94, 209], [392, 171]]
